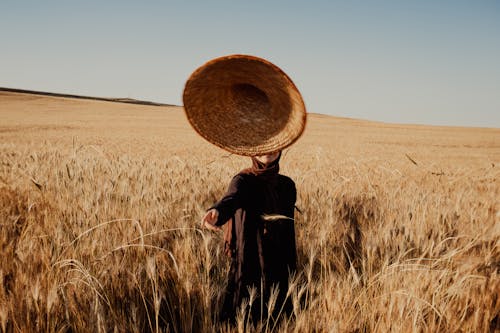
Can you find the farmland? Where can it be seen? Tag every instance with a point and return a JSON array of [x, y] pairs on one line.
[[100, 202]]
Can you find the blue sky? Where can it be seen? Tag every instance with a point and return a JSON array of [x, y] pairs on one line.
[[424, 62]]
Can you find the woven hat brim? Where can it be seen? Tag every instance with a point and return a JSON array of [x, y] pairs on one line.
[[245, 105]]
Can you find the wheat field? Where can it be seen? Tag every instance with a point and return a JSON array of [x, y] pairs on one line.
[[100, 202]]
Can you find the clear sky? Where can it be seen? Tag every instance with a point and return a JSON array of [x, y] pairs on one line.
[[425, 62]]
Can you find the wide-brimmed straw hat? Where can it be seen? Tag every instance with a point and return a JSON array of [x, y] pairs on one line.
[[245, 105]]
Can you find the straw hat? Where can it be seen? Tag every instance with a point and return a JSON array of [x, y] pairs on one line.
[[245, 105]]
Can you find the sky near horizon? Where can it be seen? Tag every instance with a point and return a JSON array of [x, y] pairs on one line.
[[419, 62]]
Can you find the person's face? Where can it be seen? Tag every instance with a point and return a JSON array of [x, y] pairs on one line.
[[268, 158]]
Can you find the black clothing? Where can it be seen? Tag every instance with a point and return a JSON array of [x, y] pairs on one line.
[[263, 251]]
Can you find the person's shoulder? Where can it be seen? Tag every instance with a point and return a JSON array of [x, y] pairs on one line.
[[238, 183], [241, 178], [286, 181]]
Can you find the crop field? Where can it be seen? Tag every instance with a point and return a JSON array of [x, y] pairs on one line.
[[100, 203]]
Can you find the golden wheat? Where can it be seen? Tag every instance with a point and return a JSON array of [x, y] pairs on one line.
[[100, 203]]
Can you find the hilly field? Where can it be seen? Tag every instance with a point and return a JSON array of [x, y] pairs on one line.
[[398, 226]]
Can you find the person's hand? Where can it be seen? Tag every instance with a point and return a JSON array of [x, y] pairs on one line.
[[209, 219]]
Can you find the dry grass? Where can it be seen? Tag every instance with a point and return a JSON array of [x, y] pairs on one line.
[[100, 202]]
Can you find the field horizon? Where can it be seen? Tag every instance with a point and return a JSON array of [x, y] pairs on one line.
[[127, 100], [100, 202]]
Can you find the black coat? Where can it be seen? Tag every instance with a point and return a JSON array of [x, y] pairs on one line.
[[263, 251]]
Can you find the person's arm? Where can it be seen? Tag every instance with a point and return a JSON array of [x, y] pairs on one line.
[[222, 211], [292, 250], [209, 219]]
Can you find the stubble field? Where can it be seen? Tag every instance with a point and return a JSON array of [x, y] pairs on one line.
[[100, 202]]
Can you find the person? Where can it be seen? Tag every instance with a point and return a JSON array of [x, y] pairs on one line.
[[260, 238]]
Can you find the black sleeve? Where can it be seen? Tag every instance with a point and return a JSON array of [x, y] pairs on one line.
[[290, 196], [231, 201], [289, 248], [292, 264]]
